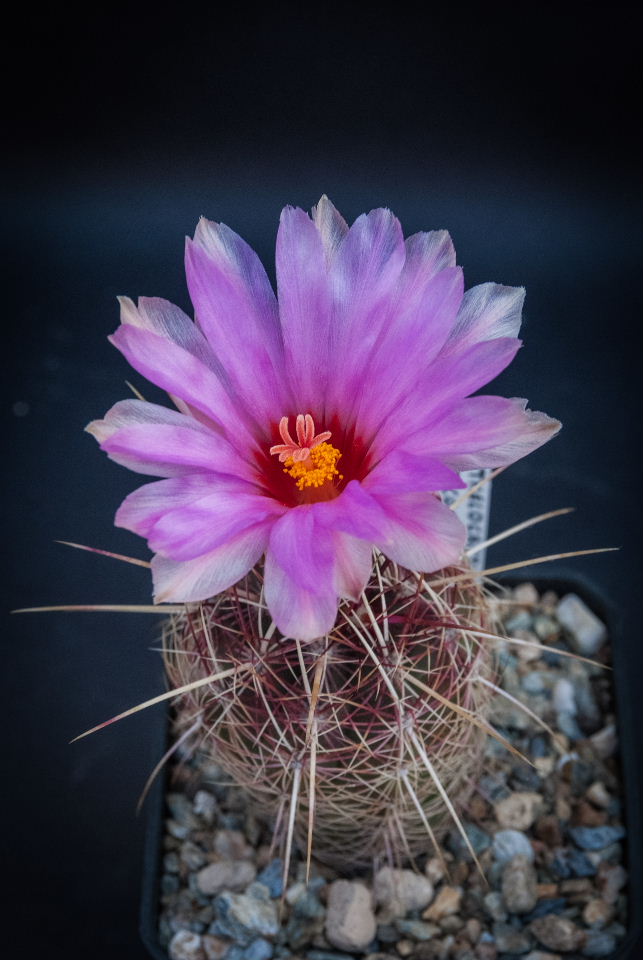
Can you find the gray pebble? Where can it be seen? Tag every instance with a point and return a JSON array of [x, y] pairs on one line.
[[586, 632], [508, 843], [519, 885]]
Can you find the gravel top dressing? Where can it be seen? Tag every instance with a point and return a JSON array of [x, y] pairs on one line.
[[549, 837]]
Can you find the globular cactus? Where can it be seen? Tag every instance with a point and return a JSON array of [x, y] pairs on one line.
[[361, 744]]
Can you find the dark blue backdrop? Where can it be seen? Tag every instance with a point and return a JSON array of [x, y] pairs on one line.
[[516, 131]]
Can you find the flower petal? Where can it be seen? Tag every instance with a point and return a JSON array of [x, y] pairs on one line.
[[447, 380], [167, 320], [235, 305], [404, 472], [488, 311], [205, 576], [303, 550], [304, 307], [198, 527], [182, 374], [151, 439], [423, 533], [297, 612], [331, 226], [353, 565], [486, 432], [141, 509]]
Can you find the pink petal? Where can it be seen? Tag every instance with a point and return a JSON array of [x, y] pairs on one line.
[[303, 550], [354, 512], [406, 348], [151, 439], [182, 374], [405, 472], [141, 509], [198, 527], [331, 226], [204, 577], [486, 432], [423, 533], [304, 308], [447, 380], [297, 612], [363, 277], [235, 306], [488, 311], [353, 565], [168, 321]]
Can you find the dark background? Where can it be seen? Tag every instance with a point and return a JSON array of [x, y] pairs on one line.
[[516, 128]]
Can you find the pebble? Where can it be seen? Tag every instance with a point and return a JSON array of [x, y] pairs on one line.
[[508, 843], [213, 947], [477, 837], [605, 742], [511, 939], [525, 594], [599, 944], [519, 810], [401, 890], [417, 929], [495, 905], [350, 921], [205, 806], [447, 902], [595, 838], [533, 682], [242, 916], [519, 885], [272, 877], [546, 906], [435, 870], [611, 881], [557, 933], [587, 633], [563, 697], [234, 875], [541, 955], [186, 945], [546, 627], [597, 913], [598, 794], [232, 845]]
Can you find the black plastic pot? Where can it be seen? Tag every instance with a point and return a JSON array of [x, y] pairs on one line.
[[629, 750]]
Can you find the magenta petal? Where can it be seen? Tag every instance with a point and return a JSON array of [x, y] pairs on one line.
[[426, 255], [446, 381], [235, 305], [168, 321], [303, 549], [405, 472], [353, 565], [182, 374], [488, 311], [151, 439], [199, 579], [297, 612], [141, 509], [486, 432], [423, 533], [304, 307], [215, 518], [354, 511]]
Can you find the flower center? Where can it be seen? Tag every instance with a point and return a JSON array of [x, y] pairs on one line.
[[310, 461]]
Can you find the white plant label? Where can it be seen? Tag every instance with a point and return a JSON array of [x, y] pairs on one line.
[[474, 511]]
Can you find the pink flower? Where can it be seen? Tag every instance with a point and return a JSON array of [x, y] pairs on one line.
[[316, 426]]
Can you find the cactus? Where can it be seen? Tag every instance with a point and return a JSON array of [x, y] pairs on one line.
[[361, 744]]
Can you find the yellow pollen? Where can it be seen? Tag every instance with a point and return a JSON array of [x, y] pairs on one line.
[[317, 468]]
